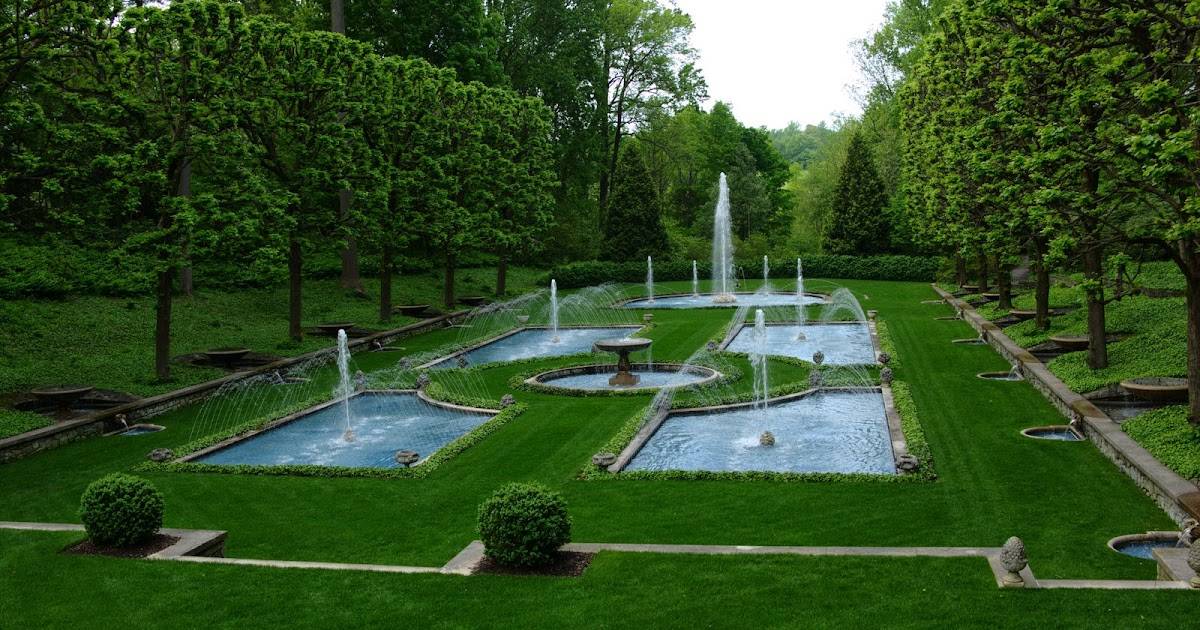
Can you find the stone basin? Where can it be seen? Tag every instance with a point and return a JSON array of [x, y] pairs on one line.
[[623, 346], [970, 288], [410, 310], [473, 300], [332, 328], [226, 356], [1157, 388], [61, 396], [1070, 342], [1022, 314]]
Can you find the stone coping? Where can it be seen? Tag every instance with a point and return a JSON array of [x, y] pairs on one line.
[[275, 424], [509, 333], [148, 407], [546, 379], [207, 547], [622, 302], [1174, 494]]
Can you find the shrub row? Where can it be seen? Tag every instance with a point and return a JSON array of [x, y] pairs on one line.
[[593, 272]]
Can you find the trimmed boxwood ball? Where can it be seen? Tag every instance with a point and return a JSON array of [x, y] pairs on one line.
[[522, 525], [121, 510]]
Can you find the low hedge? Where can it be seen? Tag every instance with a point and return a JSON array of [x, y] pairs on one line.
[[593, 272], [121, 510], [523, 525], [14, 422]]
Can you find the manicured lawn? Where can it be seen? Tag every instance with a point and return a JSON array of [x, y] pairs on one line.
[[1064, 499]]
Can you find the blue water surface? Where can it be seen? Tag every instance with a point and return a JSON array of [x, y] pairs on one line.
[[537, 342], [842, 344], [705, 300]]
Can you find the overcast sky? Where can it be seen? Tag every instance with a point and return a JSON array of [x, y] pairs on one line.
[[777, 61]]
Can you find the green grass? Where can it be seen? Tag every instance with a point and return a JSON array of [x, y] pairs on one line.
[[1064, 499], [108, 342], [1167, 434], [13, 422]]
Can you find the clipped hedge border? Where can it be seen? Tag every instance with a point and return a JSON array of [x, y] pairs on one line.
[[914, 433], [424, 469]]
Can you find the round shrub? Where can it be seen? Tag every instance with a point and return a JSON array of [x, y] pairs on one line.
[[522, 525], [121, 510]]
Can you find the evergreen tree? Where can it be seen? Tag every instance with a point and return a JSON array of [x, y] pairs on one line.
[[859, 223], [634, 227]]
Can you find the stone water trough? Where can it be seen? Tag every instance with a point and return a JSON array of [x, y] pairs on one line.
[[1157, 388]]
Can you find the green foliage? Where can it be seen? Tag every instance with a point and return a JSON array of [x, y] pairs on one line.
[[633, 228], [13, 422], [1169, 437], [523, 525], [121, 510], [859, 225]]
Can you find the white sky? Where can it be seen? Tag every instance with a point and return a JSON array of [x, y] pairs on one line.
[[777, 61]]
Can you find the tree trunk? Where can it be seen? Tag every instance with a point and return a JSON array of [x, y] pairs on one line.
[[294, 290], [1189, 262], [350, 277], [448, 282], [337, 15], [162, 324], [385, 284], [960, 270], [983, 273], [502, 276], [1004, 285], [1041, 294], [1093, 270], [185, 190]]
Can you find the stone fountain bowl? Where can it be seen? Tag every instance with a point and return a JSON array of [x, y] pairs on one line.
[[332, 328], [473, 300], [410, 310], [1142, 545], [627, 344], [970, 288], [1157, 388], [1022, 314], [61, 395], [226, 355], [1070, 342]]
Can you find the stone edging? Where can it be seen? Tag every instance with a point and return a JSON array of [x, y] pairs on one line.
[[204, 546], [102, 421], [543, 380], [479, 344], [1177, 496]]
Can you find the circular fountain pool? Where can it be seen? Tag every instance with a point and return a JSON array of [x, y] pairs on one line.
[[1143, 545], [708, 300], [1061, 433], [594, 378]]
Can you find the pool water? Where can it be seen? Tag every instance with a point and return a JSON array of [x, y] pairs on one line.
[[1061, 434], [140, 430], [648, 380], [705, 300], [842, 344], [538, 342], [383, 423], [840, 432], [1144, 548]]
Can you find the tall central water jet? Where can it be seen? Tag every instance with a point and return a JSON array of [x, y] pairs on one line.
[[758, 361], [344, 387], [722, 262], [649, 280], [801, 312], [766, 274], [695, 280], [553, 310]]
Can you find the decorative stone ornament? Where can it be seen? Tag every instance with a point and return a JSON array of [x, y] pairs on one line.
[[818, 357], [712, 346], [507, 400], [1014, 560], [1193, 562], [766, 439], [360, 381], [522, 319], [885, 376], [908, 463], [161, 455], [462, 361], [815, 379], [604, 460], [423, 380], [884, 358], [407, 458]]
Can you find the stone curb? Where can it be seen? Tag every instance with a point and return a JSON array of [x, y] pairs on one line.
[[1174, 494]]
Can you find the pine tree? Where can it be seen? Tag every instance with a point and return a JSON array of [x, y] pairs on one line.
[[859, 224], [633, 228]]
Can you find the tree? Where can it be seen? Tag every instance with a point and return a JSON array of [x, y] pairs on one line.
[[634, 227], [859, 225], [525, 180]]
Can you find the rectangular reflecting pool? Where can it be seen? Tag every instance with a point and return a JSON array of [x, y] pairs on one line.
[[538, 342], [838, 432], [842, 344], [382, 422], [705, 300]]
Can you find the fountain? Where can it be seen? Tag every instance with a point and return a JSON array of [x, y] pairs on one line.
[[649, 280], [766, 276], [695, 281], [345, 388], [758, 360], [553, 310], [801, 311], [722, 247], [623, 347]]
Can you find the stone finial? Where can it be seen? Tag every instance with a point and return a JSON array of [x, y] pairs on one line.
[[360, 381], [1193, 562], [766, 439], [885, 376], [816, 379], [908, 463], [423, 380], [522, 319], [462, 361], [405, 363], [648, 317], [884, 358], [348, 436], [407, 458], [604, 460], [712, 346], [1014, 560], [818, 357], [161, 455], [507, 400]]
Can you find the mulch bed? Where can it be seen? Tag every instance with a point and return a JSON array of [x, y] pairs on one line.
[[565, 564], [155, 544]]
